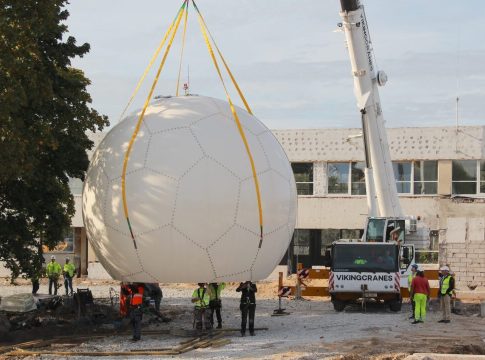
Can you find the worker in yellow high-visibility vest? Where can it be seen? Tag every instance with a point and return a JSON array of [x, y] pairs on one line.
[[200, 298], [69, 270], [53, 270], [447, 285]]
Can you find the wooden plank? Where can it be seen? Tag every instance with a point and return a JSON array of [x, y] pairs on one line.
[[318, 274], [314, 291]]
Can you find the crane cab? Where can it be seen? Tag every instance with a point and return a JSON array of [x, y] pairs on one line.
[[382, 229]]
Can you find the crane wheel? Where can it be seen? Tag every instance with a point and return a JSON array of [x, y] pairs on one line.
[[338, 305]]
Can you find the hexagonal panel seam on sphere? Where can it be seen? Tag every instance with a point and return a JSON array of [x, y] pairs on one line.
[[170, 129], [148, 168], [223, 166], [212, 263], [147, 232], [220, 237], [259, 173], [274, 230], [264, 152], [195, 122], [245, 228], [233, 274], [187, 237], [118, 230], [197, 141], [191, 167], [146, 151], [124, 277], [255, 258]]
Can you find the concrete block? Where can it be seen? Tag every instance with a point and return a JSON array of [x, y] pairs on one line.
[[476, 230], [456, 230]]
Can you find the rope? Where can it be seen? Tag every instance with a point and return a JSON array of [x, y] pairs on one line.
[[152, 60], [234, 82], [238, 123], [140, 120], [182, 49]]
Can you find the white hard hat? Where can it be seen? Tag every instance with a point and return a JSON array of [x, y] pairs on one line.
[[444, 268], [53, 257], [67, 258]]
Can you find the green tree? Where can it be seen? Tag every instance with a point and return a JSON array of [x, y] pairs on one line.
[[44, 115]]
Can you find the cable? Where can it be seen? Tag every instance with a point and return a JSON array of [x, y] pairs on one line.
[[140, 120], [238, 124]]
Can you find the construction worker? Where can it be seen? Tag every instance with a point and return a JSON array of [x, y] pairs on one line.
[[68, 271], [414, 269], [53, 271], [201, 299], [215, 303], [420, 291], [447, 285], [247, 306], [134, 294], [154, 292]]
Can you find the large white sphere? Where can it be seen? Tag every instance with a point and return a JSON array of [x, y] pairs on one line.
[[191, 197]]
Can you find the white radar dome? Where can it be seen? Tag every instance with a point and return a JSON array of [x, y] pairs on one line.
[[190, 196]]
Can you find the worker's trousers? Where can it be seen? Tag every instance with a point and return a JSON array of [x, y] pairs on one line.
[[68, 285], [247, 310], [136, 317], [420, 307], [52, 283], [445, 302], [202, 314], [215, 307], [35, 286]]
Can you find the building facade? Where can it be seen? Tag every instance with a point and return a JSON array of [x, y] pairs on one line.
[[440, 178], [439, 173]]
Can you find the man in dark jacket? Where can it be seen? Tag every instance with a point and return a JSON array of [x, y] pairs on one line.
[[247, 306]]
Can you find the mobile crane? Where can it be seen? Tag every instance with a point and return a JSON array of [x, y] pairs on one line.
[[375, 266]]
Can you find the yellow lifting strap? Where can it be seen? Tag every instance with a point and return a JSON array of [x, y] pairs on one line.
[[182, 49], [233, 79], [140, 120], [152, 60], [236, 119]]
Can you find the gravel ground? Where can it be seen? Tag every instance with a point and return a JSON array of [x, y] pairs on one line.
[[313, 330]]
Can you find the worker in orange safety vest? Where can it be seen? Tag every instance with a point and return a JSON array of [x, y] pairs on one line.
[[134, 294]]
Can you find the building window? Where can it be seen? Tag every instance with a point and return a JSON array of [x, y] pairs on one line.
[[425, 177], [464, 177], [328, 236], [301, 242], [303, 173], [346, 178], [358, 178], [338, 178], [402, 174], [482, 176]]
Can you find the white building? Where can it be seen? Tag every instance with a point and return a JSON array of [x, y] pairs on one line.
[[440, 177]]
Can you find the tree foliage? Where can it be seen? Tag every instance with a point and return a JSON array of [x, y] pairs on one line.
[[44, 113]]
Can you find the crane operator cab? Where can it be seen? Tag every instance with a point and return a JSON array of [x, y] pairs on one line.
[[390, 230], [385, 230]]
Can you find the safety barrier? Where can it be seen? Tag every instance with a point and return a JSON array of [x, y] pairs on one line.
[[301, 289]]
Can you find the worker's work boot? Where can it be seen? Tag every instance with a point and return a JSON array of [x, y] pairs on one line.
[[252, 333], [219, 326], [243, 333]]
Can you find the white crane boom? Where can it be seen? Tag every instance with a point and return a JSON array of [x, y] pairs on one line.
[[382, 195]]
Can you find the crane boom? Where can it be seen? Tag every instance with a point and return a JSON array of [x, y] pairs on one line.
[[382, 195]]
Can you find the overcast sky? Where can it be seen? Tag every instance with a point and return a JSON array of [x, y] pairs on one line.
[[292, 66]]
